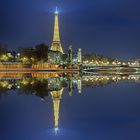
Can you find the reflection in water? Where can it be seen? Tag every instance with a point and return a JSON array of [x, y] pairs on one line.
[[52, 84]]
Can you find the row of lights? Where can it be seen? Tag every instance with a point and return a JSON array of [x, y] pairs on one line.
[[113, 63]]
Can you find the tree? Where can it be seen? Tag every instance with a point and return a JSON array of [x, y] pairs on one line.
[[32, 55], [3, 49], [41, 52]]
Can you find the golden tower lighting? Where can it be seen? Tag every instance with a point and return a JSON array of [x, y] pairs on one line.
[[56, 96], [56, 44]]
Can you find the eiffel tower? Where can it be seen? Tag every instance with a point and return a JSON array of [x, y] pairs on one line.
[[56, 97], [56, 44]]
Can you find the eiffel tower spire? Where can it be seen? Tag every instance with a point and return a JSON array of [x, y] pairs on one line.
[[56, 44]]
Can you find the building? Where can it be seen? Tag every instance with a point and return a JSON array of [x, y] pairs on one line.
[[56, 54], [56, 44], [56, 97]]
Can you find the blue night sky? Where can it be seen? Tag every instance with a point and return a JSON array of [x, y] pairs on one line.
[[108, 27]]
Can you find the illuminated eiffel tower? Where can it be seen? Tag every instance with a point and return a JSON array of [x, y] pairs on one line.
[[56, 44], [56, 97]]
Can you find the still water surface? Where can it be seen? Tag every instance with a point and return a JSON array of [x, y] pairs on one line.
[[90, 107]]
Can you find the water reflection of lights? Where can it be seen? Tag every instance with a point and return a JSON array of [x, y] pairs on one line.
[[53, 131], [56, 130]]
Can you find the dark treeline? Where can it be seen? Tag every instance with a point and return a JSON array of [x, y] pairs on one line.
[[34, 54], [40, 52], [24, 54]]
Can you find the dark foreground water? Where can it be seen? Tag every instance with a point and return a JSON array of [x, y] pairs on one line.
[[106, 112]]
